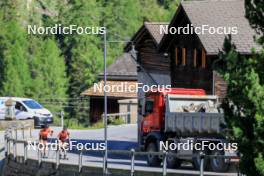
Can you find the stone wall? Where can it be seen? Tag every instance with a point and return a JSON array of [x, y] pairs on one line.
[[17, 167], [7, 123]]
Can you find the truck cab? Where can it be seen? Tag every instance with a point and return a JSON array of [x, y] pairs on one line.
[[179, 115], [154, 109]]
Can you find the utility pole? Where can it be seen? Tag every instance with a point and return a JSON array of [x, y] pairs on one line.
[[62, 118], [105, 106]]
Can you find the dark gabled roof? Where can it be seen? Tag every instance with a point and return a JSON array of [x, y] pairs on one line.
[[124, 68], [217, 13], [152, 28]]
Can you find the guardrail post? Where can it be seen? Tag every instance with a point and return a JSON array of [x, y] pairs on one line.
[[15, 148], [30, 132], [8, 147], [23, 133], [80, 161], [39, 157], [25, 151], [164, 170], [132, 162], [57, 157], [202, 156], [105, 169], [16, 134], [11, 133]]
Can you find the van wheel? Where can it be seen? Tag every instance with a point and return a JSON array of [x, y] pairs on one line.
[[197, 161], [172, 161], [218, 164], [153, 160], [36, 121]]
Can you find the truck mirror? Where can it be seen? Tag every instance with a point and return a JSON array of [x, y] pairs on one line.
[[140, 110], [149, 107]]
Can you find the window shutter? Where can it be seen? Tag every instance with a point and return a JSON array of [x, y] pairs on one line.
[[176, 56], [203, 59], [183, 56], [195, 57]]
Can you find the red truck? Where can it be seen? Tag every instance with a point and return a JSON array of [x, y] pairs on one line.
[[172, 118]]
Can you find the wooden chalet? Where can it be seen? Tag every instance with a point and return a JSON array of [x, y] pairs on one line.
[[193, 56], [154, 67], [121, 72], [187, 60]]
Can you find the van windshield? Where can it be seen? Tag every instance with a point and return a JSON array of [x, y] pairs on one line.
[[32, 104]]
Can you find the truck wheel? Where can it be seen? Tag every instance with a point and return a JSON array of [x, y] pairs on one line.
[[218, 164], [172, 161], [153, 160], [197, 160]]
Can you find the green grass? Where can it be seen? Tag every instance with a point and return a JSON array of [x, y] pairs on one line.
[[117, 121], [97, 125]]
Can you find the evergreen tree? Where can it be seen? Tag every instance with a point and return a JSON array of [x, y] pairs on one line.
[[83, 54], [48, 71], [15, 76], [244, 104], [255, 15], [122, 19], [28, 61], [158, 11]]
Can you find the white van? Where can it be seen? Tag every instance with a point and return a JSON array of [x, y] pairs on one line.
[[26, 108]]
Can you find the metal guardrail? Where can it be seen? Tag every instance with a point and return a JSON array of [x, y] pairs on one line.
[[10, 138]]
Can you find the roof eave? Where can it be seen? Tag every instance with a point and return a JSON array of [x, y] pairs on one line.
[[161, 45]]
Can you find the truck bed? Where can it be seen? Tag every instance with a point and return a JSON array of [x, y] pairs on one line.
[[186, 123], [191, 123]]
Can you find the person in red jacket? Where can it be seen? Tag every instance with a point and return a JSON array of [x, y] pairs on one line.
[[44, 133], [64, 137]]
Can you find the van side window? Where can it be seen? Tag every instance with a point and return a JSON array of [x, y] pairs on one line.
[[20, 107], [149, 106]]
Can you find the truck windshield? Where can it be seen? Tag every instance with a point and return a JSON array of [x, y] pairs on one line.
[[32, 104]]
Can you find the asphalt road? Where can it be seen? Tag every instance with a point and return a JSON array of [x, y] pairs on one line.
[[121, 137], [120, 133]]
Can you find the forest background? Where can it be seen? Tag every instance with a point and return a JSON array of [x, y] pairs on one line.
[[56, 69]]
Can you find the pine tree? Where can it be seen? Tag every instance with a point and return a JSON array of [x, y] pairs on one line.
[[48, 71], [83, 54], [15, 76], [122, 19], [28, 61], [244, 104], [158, 11]]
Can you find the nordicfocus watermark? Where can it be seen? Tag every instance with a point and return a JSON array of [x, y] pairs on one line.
[[72, 145], [65, 30], [198, 146], [203, 29], [126, 87]]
